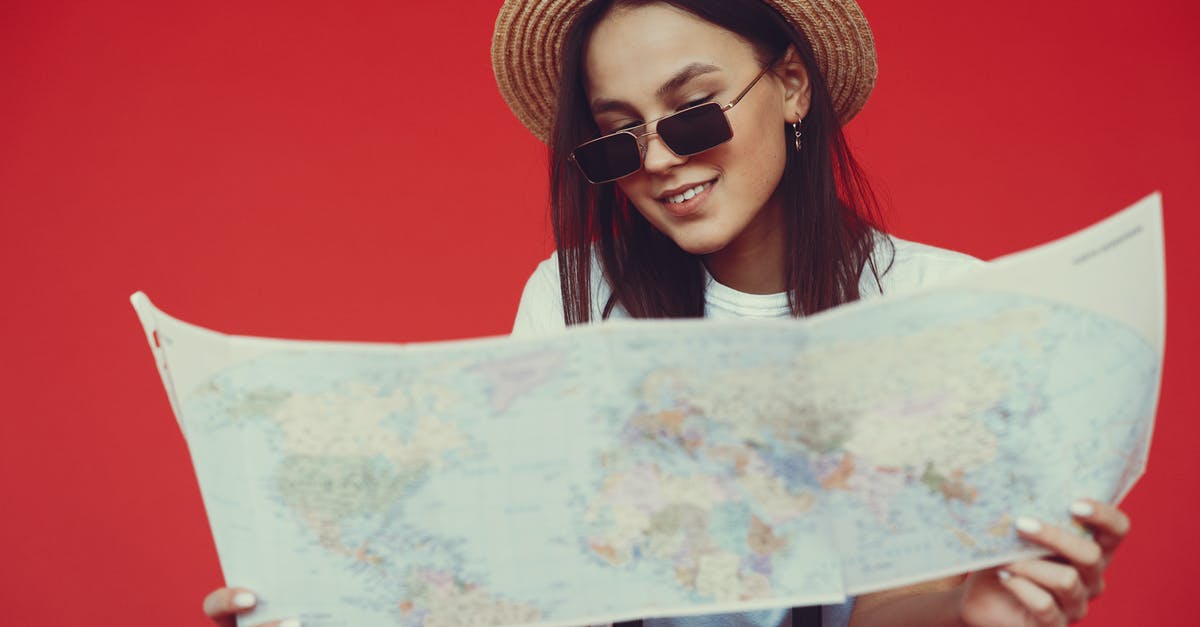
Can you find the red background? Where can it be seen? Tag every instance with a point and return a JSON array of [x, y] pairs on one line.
[[349, 171]]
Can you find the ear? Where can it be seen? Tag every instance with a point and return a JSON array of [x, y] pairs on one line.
[[797, 91]]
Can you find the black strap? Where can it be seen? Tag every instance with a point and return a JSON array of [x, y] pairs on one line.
[[809, 616]]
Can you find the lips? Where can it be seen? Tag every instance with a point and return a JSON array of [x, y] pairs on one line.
[[686, 200], [680, 194]]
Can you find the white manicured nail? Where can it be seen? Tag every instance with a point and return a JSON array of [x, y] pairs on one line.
[[1004, 575], [1082, 508], [1028, 525], [289, 622], [244, 600]]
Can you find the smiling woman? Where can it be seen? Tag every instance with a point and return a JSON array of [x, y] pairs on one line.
[[699, 169], [764, 220]]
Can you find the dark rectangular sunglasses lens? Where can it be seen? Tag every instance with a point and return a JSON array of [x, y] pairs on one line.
[[609, 158], [695, 130]]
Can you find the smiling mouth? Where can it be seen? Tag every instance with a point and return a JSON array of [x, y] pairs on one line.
[[688, 203], [688, 194]]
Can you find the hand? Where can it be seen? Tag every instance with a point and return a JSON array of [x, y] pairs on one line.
[[1052, 591], [224, 604]]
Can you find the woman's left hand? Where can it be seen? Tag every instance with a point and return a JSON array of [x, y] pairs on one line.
[[1054, 590]]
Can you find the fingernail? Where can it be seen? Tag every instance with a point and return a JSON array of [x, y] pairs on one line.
[[244, 600], [289, 622], [1004, 575], [1082, 508], [1028, 525]]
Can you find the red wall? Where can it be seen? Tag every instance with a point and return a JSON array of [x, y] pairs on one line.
[[350, 172]]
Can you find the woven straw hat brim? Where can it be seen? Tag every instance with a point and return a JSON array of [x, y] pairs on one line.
[[529, 33]]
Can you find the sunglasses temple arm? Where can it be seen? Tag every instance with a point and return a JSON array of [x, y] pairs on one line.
[[754, 82]]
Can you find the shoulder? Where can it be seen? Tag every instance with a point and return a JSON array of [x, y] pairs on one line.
[[541, 307], [904, 265], [540, 310]]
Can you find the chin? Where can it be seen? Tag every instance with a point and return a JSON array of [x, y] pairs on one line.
[[699, 245]]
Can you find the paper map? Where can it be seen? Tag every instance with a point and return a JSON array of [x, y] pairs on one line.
[[666, 468]]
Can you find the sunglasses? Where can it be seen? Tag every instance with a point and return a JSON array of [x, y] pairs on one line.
[[687, 132]]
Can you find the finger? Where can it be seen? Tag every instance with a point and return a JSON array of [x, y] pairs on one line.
[[1040, 604], [1061, 580], [1080, 550], [1109, 525], [224, 602]]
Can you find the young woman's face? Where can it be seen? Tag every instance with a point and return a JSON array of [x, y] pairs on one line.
[[630, 63]]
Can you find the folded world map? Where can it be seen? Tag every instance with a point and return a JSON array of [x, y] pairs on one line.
[[666, 468]]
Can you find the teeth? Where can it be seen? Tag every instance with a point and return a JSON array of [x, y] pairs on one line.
[[689, 194]]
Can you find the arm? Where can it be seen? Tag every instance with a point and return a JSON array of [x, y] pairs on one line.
[[1042, 592]]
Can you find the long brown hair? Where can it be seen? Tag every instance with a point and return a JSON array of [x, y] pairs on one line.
[[831, 215]]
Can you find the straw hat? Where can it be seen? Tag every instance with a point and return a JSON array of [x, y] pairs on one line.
[[529, 33]]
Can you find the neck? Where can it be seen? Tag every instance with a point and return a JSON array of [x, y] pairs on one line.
[[753, 262]]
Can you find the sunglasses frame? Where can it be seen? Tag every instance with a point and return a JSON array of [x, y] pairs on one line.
[[641, 131]]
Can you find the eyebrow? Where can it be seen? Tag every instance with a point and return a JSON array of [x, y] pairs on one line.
[[681, 78]]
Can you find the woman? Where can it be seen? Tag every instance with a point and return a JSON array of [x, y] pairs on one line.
[[698, 168]]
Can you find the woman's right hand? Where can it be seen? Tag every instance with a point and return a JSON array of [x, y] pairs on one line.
[[224, 604]]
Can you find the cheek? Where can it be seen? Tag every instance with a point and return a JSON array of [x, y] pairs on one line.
[[758, 156], [639, 189], [636, 189]]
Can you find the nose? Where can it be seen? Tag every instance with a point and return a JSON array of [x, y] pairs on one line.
[[658, 158]]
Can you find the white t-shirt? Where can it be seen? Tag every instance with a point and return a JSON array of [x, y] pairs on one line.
[[912, 266]]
